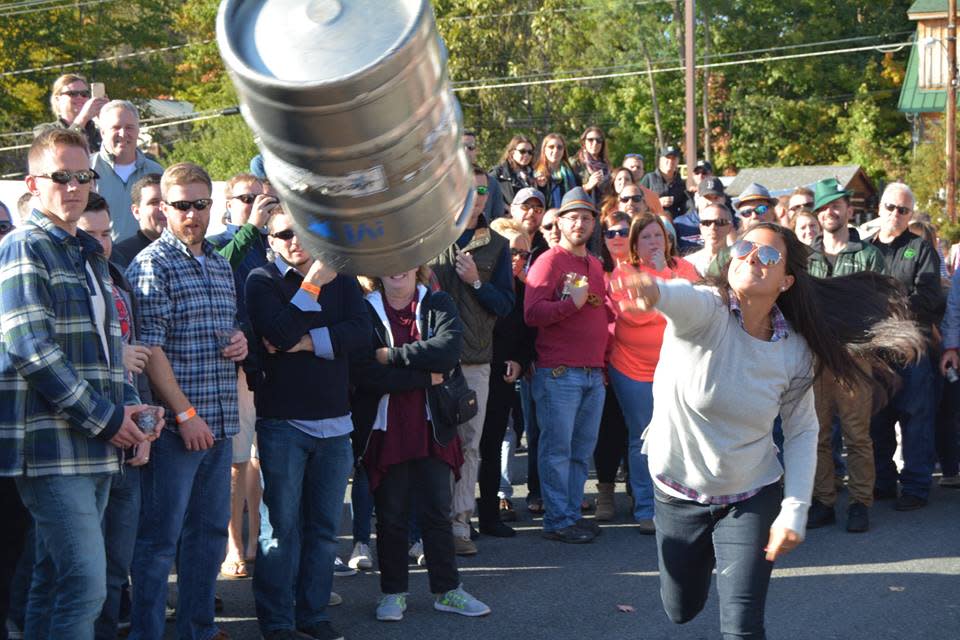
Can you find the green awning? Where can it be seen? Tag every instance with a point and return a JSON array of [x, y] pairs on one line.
[[913, 99]]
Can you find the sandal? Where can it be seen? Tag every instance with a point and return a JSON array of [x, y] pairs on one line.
[[234, 570], [535, 507]]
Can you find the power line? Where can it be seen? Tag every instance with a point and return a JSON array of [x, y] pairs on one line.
[[56, 7], [514, 14], [120, 56]]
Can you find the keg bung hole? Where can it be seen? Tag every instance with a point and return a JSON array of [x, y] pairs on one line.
[[324, 11]]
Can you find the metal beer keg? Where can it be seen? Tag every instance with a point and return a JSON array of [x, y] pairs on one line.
[[360, 133]]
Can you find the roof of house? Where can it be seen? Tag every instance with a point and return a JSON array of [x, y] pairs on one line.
[[783, 180], [927, 6]]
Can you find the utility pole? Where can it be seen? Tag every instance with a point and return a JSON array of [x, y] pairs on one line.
[[690, 32], [952, 111]]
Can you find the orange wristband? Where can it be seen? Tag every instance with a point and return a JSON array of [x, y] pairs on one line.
[[310, 288], [186, 415]]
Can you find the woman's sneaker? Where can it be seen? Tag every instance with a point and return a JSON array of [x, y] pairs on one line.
[[459, 601], [392, 606], [360, 558], [416, 554]]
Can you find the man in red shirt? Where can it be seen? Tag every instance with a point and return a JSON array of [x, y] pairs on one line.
[[565, 302]]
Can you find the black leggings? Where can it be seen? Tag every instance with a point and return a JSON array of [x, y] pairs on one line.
[[611, 447]]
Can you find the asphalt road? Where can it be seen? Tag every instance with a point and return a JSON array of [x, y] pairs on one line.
[[900, 581]]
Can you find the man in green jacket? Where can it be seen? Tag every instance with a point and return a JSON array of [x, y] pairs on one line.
[[838, 253]]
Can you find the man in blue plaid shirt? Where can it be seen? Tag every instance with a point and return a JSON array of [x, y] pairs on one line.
[[65, 403], [188, 314]]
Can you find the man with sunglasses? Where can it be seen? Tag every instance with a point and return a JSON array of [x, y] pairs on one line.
[[74, 108], [914, 263], [527, 210], [667, 183], [477, 272], [66, 406], [715, 225], [188, 314], [755, 204], [802, 199], [493, 208], [119, 164], [838, 253]]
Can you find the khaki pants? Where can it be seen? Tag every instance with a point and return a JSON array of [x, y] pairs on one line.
[[464, 490], [854, 409]]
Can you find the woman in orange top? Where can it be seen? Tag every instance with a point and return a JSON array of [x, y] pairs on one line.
[[635, 351]]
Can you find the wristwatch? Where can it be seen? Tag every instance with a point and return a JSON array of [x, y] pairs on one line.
[[477, 284]]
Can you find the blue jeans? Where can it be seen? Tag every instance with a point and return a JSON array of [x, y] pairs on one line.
[[636, 401], [530, 423], [186, 498], [304, 479], [69, 574], [361, 506], [120, 532], [569, 407], [914, 407], [692, 538]]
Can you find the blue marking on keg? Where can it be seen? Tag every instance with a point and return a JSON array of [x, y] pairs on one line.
[[355, 234], [322, 229]]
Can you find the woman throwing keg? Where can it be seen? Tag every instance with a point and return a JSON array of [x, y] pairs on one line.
[[735, 355]]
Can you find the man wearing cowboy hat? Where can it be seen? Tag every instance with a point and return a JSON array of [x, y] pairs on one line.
[[754, 205], [565, 303], [837, 253]]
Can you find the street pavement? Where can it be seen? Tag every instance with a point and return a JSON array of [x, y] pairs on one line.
[[900, 581]]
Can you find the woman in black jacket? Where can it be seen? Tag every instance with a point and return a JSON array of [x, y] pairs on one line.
[[515, 170], [408, 453]]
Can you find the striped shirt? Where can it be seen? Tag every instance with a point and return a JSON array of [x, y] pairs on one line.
[[184, 300], [60, 399]]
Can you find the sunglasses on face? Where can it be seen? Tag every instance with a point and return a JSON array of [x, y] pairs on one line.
[[626, 199], [5, 227], [481, 190], [719, 222], [759, 210], [64, 177], [185, 205], [85, 93], [530, 207], [520, 253], [547, 227], [524, 152], [246, 198], [470, 147], [901, 211], [597, 140], [803, 206], [286, 235], [610, 234], [766, 254]]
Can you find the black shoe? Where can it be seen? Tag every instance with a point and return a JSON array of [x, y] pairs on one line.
[[286, 634], [588, 525], [570, 535], [858, 518], [497, 530], [884, 493], [217, 603], [321, 631], [473, 533], [909, 502], [820, 515]]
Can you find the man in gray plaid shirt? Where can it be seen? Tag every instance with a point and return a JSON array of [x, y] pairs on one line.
[[188, 317]]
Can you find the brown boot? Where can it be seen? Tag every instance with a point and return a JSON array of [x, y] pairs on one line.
[[605, 508]]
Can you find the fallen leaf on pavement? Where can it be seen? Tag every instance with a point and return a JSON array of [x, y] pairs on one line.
[[625, 608]]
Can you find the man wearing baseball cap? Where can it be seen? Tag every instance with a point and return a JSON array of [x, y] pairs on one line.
[[565, 303], [836, 253], [667, 183], [754, 205], [527, 209]]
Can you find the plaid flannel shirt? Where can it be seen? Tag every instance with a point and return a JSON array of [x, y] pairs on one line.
[[60, 400], [182, 306]]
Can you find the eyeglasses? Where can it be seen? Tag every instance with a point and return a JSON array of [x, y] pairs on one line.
[[246, 198], [759, 210], [637, 198], [524, 152], [64, 177], [547, 227], [901, 211], [719, 222], [470, 147], [520, 253], [582, 218], [286, 235], [482, 190], [597, 140], [6, 227], [610, 234], [85, 93], [185, 205], [530, 207], [803, 206], [766, 254]]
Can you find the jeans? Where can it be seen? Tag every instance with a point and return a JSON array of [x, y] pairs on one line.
[[636, 401], [13, 539], [304, 479], [569, 406], [361, 505], [913, 407], [533, 439], [185, 504], [428, 480], [20, 585], [692, 538], [69, 574], [120, 522]]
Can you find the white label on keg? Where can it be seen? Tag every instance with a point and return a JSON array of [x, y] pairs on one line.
[[355, 184]]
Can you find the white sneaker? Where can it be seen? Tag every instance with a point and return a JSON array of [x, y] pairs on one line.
[[335, 599], [360, 558], [416, 554], [341, 570]]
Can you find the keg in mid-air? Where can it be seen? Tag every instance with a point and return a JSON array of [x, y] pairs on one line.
[[352, 109]]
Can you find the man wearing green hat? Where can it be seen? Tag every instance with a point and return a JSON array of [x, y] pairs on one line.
[[836, 253]]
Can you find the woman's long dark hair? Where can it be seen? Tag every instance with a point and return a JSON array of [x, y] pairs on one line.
[[515, 142], [857, 326]]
